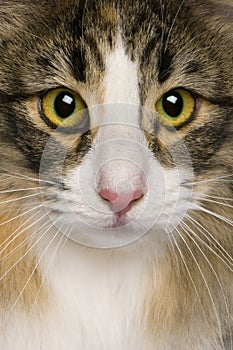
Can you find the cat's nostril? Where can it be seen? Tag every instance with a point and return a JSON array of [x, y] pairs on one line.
[[121, 202], [137, 195], [108, 195]]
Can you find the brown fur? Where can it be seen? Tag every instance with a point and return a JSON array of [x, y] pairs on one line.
[[21, 279], [192, 285]]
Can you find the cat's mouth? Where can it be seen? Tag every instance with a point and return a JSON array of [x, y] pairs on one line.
[[120, 220]]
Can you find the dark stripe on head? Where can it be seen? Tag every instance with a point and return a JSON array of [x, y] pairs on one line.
[[76, 154], [31, 141], [193, 67], [23, 134], [78, 64], [164, 65], [204, 142], [45, 62], [149, 48]]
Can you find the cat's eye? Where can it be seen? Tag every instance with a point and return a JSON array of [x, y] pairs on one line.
[[63, 108], [176, 108]]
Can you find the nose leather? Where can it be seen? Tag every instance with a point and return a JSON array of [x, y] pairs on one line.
[[120, 202]]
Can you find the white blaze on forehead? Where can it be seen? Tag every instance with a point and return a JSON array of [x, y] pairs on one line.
[[121, 77], [119, 143]]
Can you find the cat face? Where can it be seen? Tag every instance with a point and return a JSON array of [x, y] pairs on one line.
[[124, 123]]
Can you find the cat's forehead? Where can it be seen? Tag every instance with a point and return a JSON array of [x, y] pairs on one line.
[[61, 42]]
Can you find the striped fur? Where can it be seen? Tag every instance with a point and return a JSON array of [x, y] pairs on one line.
[[73, 274]]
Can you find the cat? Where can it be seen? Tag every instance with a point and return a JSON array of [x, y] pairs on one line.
[[116, 175]]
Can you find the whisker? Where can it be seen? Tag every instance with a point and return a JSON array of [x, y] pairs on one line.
[[214, 197], [189, 232], [206, 285], [20, 190], [18, 228], [7, 173], [213, 201], [173, 23], [188, 271], [223, 178], [31, 275], [66, 237], [22, 243], [223, 218], [171, 237], [63, 237], [162, 29], [212, 240], [82, 26], [21, 176], [27, 252], [20, 215], [19, 198]]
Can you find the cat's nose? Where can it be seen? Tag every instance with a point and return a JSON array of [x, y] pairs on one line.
[[121, 202]]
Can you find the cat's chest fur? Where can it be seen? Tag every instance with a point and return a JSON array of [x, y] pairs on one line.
[[96, 302], [102, 304], [116, 119]]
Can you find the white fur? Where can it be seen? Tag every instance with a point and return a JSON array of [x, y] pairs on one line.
[[103, 302], [98, 294], [121, 78], [120, 158]]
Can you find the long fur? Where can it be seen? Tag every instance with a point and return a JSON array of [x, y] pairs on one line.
[[73, 275]]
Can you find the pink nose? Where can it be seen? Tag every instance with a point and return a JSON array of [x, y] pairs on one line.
[[121, 202]]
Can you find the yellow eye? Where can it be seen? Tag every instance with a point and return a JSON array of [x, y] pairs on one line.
[[176, 108], [63, 107]]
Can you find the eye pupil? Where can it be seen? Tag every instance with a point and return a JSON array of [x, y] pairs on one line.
[[64, 104], [173, 104]]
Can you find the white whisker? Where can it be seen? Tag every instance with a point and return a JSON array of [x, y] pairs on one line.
[[170, 237], [212, 240], [190, 232], [22, 243], [18, 228], [20, 215], [21, 176], [20, 190], [188, 272], [214, 197], [206, 285], [31, 275], [173, 23], [27, 252], [162, 28], [223, 218], [223, 178], [213, 201], [19, 198], [64, 236]]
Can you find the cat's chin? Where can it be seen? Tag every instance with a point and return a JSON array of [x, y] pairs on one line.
[[112, 232]]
